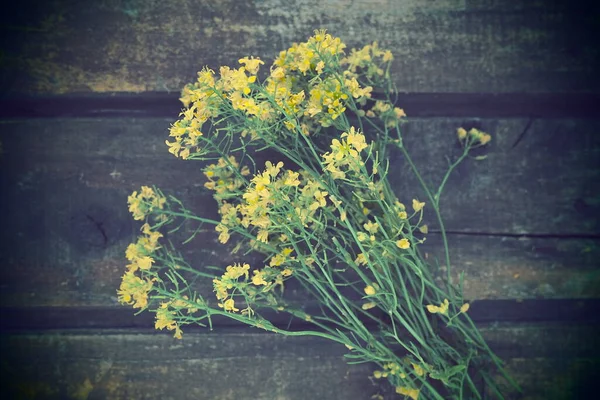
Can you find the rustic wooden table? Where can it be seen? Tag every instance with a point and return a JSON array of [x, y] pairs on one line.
[[90, 88]]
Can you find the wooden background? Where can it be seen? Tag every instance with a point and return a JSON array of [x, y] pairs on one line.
[[89, 89]]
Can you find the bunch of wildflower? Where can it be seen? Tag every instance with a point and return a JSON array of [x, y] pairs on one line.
[[331, 222]]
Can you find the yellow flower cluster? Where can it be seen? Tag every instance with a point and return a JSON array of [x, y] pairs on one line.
[[134, 290], [225, 177], [370, 61], [386, 113], [345, 154], [306, 83], [327, 95], [142, 204], [236, 281], [475, 136], [167, 313], [139, 253], [310, 56], [271, 193], [390, 368]]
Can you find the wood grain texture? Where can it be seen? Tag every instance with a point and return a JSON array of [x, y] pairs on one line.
[[442, 46], [65, 183], [252, 365]]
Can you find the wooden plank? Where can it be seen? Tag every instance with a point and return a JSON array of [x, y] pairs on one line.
[[558, 311], [162, 104], [553, 379], [540, 176], [67, 182], [240, 365], [445, 46]]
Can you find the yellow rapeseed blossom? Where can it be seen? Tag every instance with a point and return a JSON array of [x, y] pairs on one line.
[[370, 290], [229, 305], [476, 136], [258, 278], [464, 308], [371, 227], [441, 309], [165, 318], [368, 306], [143, 204], [361, 259], [403, 244], [409, 392], [134, 290], [417, 205], [236, 271], [418, 369], [251, 64]]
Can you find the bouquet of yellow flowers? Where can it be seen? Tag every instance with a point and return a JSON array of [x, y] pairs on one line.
[[321, 213]]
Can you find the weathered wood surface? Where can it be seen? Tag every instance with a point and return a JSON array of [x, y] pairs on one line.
[[65, 183], [443, 46], [550, 361], [167, 105]]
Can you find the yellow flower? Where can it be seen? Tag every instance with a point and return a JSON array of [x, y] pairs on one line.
[[263, 236], [412, 393], [223, 233], [132, 253], [165, 318], [461, 133], [377, 374], [368, 306], [441, 309], [485, 138], [464, 308], [251, 64], [424, 229], [403, 243], [235, 271], [273, 170], [417, 205], [355, 139], [229, 305], [291, 179], [145, 262], [361, 259], [371, 227], [370, 290], [134, 290], [418, 370], [258, 278]]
